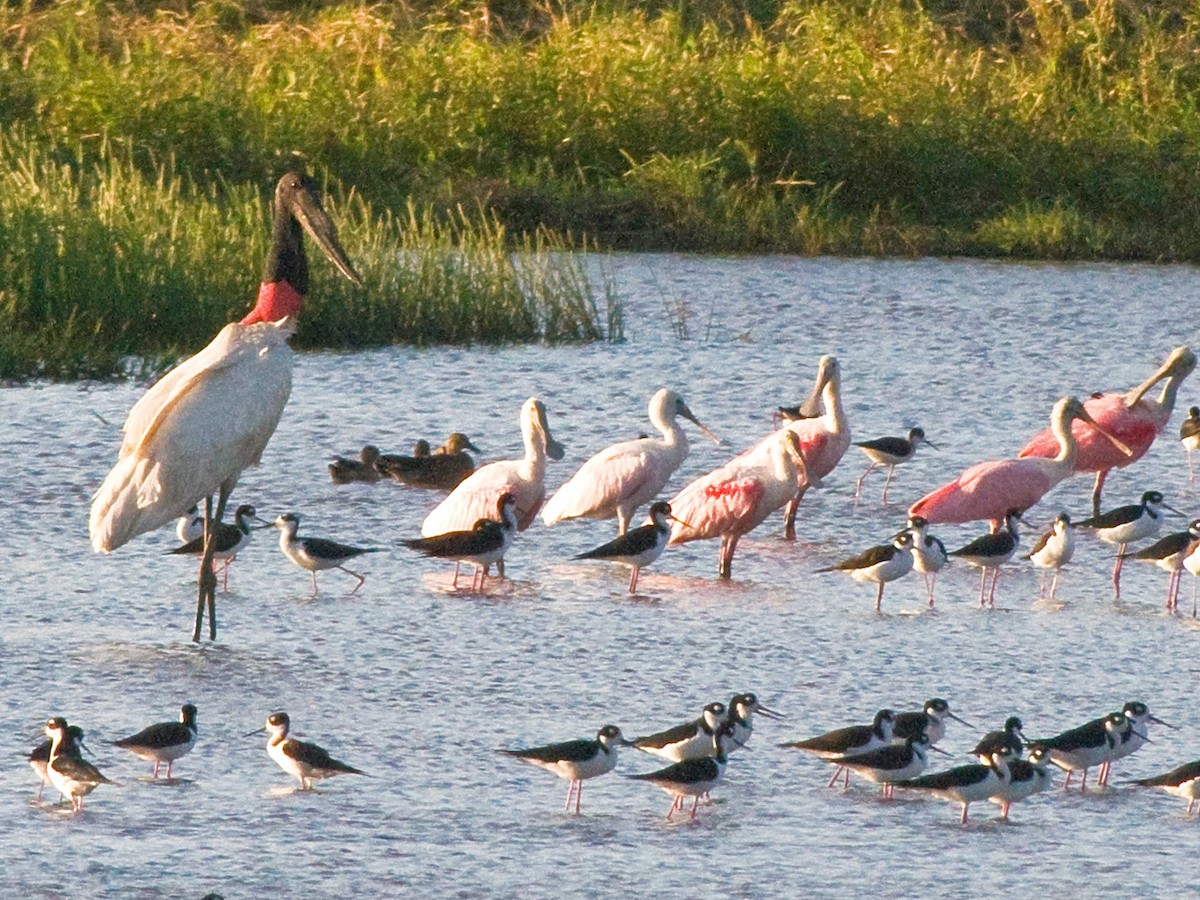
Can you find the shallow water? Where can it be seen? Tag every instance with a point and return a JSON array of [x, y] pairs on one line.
[[418, 685]]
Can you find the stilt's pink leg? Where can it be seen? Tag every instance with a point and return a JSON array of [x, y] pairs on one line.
[[578, 795], [1116, 576], [454, 583], [930, 581], [695, 804], [992, 595], [1191, 803], [845, 776], [1004, 810], [888, 483], [1054, 585], [858, 487], [963, 820], [1083, 782], [633, 579], [879, 598], [837, 773], [1067, 783], [982, 588]]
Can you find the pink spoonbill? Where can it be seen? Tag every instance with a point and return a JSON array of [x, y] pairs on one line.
[[988, 490], [735, 499], [201, 424], [1133, 418], [619, 479], [824, 439], [478, 495]]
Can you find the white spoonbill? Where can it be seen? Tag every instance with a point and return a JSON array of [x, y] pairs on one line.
[[201, 424], [477, 496], [734, 499], [1133, 418], [618, 480], [823, 440], [988, 490]]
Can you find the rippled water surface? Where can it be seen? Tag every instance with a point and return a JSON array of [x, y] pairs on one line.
[[418, 685]]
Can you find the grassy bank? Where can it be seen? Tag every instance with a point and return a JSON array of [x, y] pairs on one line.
[[105, 267], [1035, 128]]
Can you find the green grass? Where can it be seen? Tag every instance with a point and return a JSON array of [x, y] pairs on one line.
[[1032, 128], [105, 268]]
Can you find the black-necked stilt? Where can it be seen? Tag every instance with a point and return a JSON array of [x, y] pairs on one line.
[[692, 740], [303, 760], [190, 525], [849, 741], [741, 716], [443, 469], [1010, 738], [1191, 562], [694, 777], [1052, 550], [1132, 739], [1086, 746], [317, 554], [482, 546], [69, 773], [929, 720], [577, 760], [1126, 524], [991, 552], [39, 756], [965, 784], [1182, 781], [344, 470], [1189, 436], [890, 452], [879, 564], [164, 742], [640, 546], [1026, 777], [929, 553], [887, 765], [1169, 553], [230, 539]]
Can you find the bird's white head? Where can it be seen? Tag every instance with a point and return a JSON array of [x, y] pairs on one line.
[[288, 523]]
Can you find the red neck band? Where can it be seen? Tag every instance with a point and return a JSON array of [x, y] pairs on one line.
[[276, 300]]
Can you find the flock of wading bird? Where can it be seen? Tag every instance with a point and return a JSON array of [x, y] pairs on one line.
[[188, 439], [891, 751]]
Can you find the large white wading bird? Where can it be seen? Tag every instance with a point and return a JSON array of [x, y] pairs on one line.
[[619, 479], [201, 424]]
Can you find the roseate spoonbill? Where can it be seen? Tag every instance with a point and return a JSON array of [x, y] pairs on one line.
[[344, 470], [990, 552], [164, 742], [1132, 418], [578, 760], [39, 756], [849, 741], [300, 759], [1086, 746], [476, 497], [619, 479], [988, 489], [639, 547], [691, 740], [1126, 524], [446, 468], [693, 777], [823, 440], [1183, 781], [1010, 736], [1026, 778], [1189, 436], [735, 499], [879, 564], [69, 773], [201, 424], [1168, 553], [930, 719], [1133, 738], [1052, 550], [890, 452], [317, 554], [965, 784], [482, 546], [887, 765], [929, 553], [741, 716]]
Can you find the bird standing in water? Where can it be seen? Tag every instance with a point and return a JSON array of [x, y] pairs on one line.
[[192, 433]]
